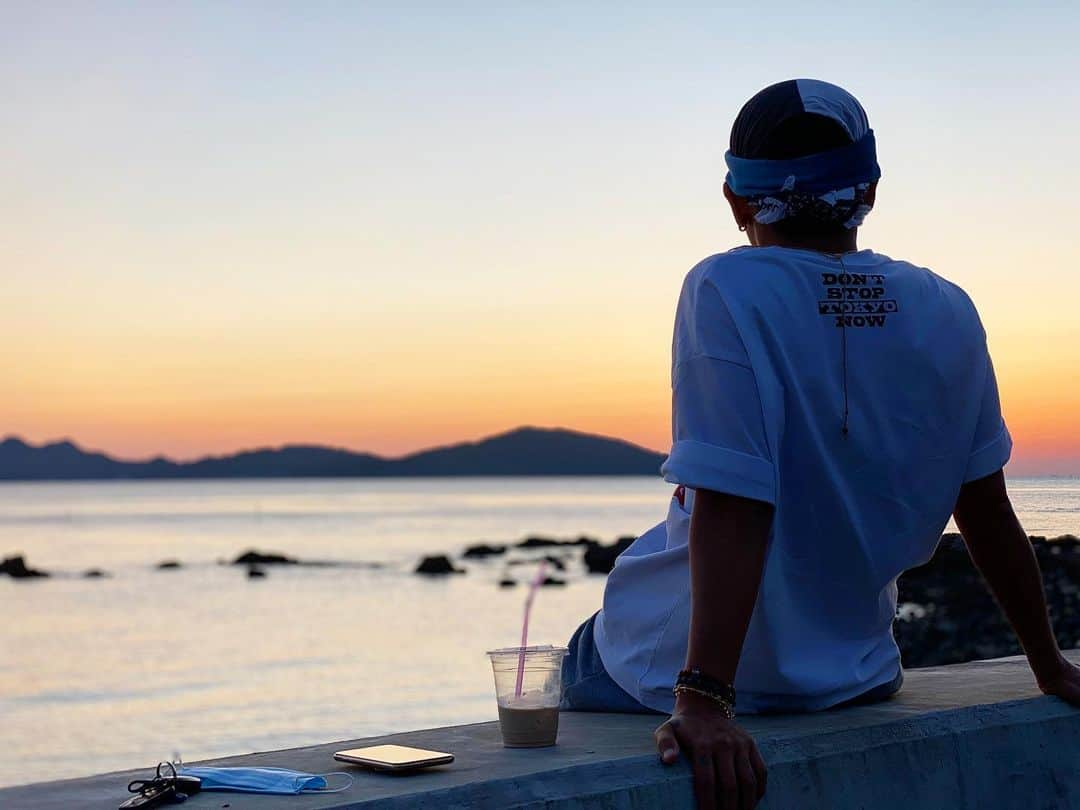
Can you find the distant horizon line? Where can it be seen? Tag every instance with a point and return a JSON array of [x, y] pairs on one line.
[[68, 441], [210, 456]]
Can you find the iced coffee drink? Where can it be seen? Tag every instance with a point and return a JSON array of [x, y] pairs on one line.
[[528, 686]]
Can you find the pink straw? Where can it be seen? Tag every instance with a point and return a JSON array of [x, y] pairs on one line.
[[541, 575]]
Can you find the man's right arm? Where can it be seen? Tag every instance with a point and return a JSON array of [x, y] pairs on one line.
[[1001, 550]]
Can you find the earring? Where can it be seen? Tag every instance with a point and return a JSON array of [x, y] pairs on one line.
[[742, 226]]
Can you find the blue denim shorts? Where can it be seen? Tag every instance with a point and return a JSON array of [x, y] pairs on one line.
[[588, 688], [586, 685]]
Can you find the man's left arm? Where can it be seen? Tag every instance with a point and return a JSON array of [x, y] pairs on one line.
[[728, 543], [1002, 551]]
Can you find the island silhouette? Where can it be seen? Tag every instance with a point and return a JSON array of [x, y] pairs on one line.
[[526, 451]]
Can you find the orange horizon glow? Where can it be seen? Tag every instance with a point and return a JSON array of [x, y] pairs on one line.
[[140, 384], [1044, 440], [185, 376]]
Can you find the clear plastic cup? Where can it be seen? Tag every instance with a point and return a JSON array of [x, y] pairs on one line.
[[531, 719]]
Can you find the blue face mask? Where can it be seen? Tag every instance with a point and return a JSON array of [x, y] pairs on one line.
[[264, 780]]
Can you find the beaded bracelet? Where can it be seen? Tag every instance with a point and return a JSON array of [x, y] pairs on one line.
[[726, 709], [699, 680]]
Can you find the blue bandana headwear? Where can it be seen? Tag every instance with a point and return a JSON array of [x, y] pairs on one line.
[[820, 173], [829, 186]]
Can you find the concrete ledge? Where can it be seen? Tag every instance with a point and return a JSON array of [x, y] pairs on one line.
[[973, 735]]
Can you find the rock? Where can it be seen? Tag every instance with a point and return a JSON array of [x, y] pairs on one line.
[[952, 541], [961, 621], [15, 567], [539, 542], [601, 559], [558, 563], [552, 581], [94, 573], [259, 558], [168, 565], [547, 542], [437, 565], [481, 550], [555, 562], [507, 582], [254, 572]]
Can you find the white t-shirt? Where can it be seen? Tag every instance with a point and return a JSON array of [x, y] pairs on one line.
[[769, 344]]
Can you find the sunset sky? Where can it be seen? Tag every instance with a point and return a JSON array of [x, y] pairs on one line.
[[390, 226]]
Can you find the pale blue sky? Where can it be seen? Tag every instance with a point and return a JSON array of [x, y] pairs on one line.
[[384, 179]]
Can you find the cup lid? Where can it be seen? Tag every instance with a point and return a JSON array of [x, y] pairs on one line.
[[539, 649]]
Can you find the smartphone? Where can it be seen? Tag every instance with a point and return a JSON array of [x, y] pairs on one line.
[[394, 757]]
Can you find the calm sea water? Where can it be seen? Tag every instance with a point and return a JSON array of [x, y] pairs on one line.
[[99, 675]]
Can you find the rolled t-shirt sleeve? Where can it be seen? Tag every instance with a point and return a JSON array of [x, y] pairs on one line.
[[718, 431], [992, 445]]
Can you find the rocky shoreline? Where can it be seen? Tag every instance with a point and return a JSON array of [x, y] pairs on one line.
[[957, 619], [946, 615]]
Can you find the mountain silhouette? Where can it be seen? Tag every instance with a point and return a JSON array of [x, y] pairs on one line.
[[524, 451]]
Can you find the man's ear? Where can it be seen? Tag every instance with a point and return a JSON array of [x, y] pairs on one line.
[[871, 194], [740, 209]]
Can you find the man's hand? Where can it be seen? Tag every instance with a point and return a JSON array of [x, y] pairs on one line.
[[1064, 684], [729, 772]]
